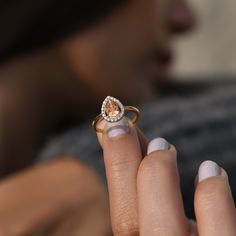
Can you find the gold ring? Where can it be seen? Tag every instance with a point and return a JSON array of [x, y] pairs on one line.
[[113, 111]]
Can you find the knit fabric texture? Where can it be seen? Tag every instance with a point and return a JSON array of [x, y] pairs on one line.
[[199, 119]]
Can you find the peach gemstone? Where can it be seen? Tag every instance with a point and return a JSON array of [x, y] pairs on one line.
[[112, 108]]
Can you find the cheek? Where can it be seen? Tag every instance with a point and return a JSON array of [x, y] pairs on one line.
[[109, 69], [81, 57], [112, 58]]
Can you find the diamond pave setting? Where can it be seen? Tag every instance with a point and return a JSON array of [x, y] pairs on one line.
[[112, 109]]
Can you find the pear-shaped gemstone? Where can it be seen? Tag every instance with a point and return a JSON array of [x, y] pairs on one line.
[[112, 108]]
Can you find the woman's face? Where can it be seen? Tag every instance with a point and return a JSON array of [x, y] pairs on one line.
[[128, 51]]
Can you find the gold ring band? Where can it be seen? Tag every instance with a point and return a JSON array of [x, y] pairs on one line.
[[113, 111]]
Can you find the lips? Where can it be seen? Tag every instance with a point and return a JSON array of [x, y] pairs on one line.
[[160, 64], [164, 58]]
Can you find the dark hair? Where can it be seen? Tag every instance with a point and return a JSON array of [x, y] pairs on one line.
[[29, 24]]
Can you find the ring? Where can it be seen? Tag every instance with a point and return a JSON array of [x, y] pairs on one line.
[[112, 111]]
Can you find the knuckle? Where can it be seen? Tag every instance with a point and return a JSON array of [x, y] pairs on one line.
[[125, 228], [125, 220]]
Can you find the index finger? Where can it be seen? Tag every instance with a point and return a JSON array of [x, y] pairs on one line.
[[122, 156], [142, 138]]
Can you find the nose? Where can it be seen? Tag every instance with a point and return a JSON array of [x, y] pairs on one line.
[[181, 18]]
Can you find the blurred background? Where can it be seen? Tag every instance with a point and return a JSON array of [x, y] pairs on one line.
[[210, 50], [58, 62]]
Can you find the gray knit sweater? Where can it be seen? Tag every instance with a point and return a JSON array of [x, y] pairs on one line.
[[197, 117]]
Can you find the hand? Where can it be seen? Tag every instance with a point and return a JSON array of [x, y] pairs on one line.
[[145, 197], [53, 199]]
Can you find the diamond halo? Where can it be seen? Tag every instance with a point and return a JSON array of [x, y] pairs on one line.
[[112, 109]]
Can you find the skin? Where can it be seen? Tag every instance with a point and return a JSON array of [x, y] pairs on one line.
[[145, 196], [33, 202], [129, 50], [84, 65]]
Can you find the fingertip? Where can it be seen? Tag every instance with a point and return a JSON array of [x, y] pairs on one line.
[[208, 169], [173, 150], [157, 144], [160, 148], [213, 202], [210, 182], [115, 130], [224, 174]]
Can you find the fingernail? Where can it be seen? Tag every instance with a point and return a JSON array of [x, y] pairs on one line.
[[157, 144], [117, 129], [208, 169]]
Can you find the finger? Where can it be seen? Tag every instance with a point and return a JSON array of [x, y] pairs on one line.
[[142, 139], [101, 125], [214, 206], [122, 156], [193, 228], [52, 196], [161, 210]]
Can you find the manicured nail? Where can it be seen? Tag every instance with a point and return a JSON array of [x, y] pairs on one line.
[[208, 169], [157, 144], [117, 129]]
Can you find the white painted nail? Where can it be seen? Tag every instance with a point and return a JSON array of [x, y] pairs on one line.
[[157, 144], [117, 129], [208, 169]]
